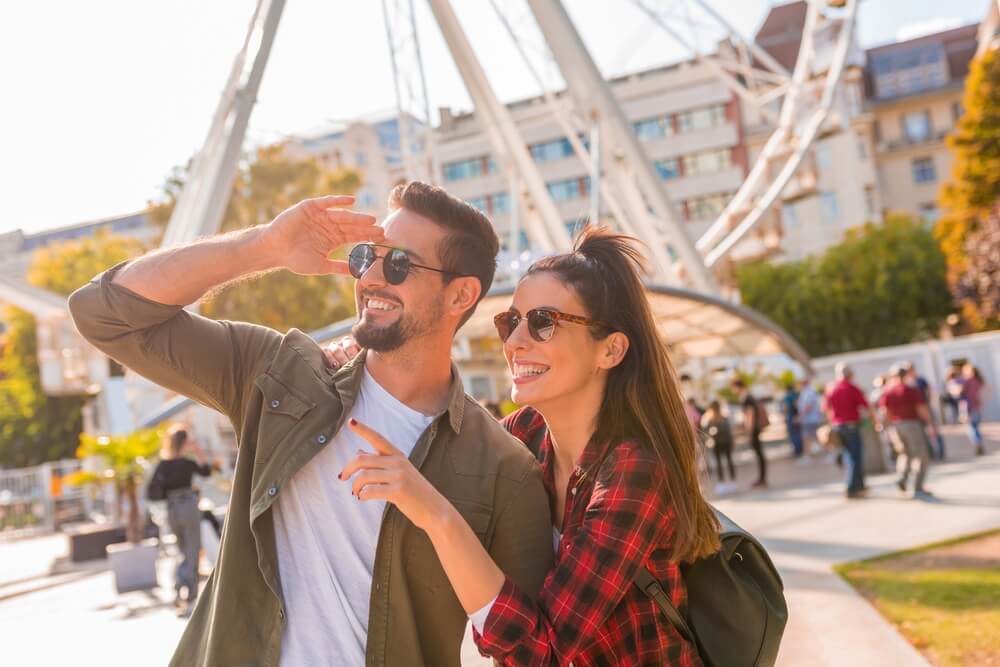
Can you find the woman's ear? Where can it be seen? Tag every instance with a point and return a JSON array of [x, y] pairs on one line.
[[615, 348]]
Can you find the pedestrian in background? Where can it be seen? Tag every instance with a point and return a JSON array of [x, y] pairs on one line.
[[719, 438], [173, 476], [845, 406], [951, 392], [790, 411], [754, 419], [810, 415], [914, 379], [908, 417], [973, 387]]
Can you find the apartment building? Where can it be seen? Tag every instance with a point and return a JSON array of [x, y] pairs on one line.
[[914, 91]]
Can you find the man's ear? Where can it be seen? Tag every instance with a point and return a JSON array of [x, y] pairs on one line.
[[615, 346], [464, 293]]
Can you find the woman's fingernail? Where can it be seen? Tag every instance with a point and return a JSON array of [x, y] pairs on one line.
[[354, 422], [340, 475]]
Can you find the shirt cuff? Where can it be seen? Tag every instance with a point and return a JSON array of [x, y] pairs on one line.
[[479, 617]]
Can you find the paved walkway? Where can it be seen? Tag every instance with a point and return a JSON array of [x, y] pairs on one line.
[[807, 525]]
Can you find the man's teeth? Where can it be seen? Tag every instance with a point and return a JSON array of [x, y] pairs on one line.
[[378, 304], [526, 370]]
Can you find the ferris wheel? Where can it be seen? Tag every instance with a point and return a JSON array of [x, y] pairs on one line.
[[796, 102]]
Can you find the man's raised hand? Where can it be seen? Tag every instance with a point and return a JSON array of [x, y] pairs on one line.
[[303, 236]]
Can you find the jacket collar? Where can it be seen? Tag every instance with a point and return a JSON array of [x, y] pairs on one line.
[[347, 381]]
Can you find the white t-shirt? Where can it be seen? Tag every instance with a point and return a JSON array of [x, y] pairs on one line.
[[326, 538]]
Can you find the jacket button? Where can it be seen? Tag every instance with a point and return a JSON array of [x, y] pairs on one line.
[[272, 491], [321, 439], [275, 403]]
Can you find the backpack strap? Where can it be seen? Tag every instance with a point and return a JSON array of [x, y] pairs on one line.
[[652, 589]]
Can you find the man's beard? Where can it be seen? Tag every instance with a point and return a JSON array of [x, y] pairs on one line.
[[393, 336]]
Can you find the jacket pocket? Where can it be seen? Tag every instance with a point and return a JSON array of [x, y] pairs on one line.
[[282, 411]]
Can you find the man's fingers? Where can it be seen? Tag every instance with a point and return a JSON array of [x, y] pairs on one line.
[[343, 216], [381, 445], [327, 201]]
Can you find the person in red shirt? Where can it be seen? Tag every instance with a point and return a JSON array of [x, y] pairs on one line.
[[603, 409], [906, 410], [845, 405]]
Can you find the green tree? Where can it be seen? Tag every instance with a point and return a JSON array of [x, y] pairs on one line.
[[978, 287], [966, 200], [265, 185], [883, 285], [35, 427]]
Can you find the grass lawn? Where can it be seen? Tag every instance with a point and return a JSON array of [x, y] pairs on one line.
[[944, 598]]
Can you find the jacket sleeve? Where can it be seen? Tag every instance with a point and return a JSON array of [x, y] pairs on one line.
[[212, 362], [522, 539]]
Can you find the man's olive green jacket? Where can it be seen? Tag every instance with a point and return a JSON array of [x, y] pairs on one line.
[[285, 406]]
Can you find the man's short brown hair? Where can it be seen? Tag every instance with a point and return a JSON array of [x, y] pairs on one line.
[[471, 245]]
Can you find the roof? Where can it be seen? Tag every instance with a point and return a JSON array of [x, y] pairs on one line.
[[781, 32]]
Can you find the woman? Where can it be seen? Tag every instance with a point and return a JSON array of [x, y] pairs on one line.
[[173, 475], [973, 386], [604, 408], [720, 441]]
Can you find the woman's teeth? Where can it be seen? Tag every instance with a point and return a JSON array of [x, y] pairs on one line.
[[528, 370]]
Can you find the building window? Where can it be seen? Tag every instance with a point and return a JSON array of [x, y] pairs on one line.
[[929, 212], [653, 128], [701, 119], [708, 162], [870, 202], [917, 126], [471, 168], [709, 206], [790, 216], [570, 188], [366, 199], [667, 169], [824, 156], [904, 71], [522, 241], [556, 149], [500, 202], [479, 202], [831, 210], [924, 171], [956, 111]]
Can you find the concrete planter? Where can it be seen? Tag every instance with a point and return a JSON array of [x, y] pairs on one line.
[[134, 565]]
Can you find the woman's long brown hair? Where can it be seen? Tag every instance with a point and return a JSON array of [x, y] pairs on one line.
[[642, 398]]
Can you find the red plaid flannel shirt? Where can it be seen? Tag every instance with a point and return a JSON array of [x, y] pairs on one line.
[[589, 612]]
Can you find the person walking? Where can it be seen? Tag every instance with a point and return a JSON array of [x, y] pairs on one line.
[[845, 405], [793, 425], [810, 416], [173, 477], [951, 392], [720, 440], [753, 422], [909, 418], [306, 574], [973, 387], [916, 380]]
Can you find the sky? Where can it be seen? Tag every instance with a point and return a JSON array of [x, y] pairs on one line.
[[100, 99]]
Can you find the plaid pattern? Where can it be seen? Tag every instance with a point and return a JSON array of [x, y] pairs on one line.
[[589, 612]]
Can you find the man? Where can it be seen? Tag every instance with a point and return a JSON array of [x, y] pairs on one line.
[[845, 405], [907, 412], [793, 423], [924, 387], [810, 415], [753, 422], [306, 574]]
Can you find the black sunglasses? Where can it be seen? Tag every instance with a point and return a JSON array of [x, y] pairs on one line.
[[396, 263], [541, 322]]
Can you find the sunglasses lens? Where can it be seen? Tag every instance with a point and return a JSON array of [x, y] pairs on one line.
[[396, 266], [505, 324], [360, 259], [541, 325]]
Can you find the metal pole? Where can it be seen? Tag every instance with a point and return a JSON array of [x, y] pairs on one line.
[[542, 215], [595, 173], [593, 96]]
